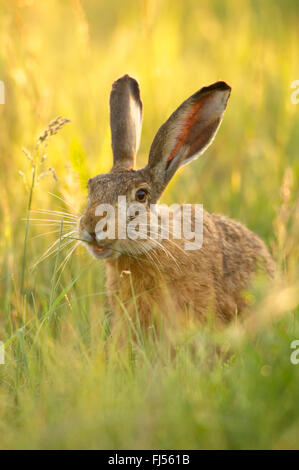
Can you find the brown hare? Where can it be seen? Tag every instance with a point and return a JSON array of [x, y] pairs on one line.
[[148, 274]]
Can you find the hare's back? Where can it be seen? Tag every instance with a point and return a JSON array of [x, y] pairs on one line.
[[243, 252]]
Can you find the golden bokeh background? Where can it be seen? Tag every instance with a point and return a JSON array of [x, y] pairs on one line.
[[60, 57]]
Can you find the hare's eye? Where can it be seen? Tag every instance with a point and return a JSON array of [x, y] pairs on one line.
[[141, 195]]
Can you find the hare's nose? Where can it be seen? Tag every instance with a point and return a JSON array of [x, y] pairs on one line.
[[92, 235]]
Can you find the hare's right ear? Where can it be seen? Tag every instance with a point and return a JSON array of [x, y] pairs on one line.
[[125, 122], [188, 132]]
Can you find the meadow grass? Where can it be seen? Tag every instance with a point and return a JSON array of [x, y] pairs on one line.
[[65, 383]]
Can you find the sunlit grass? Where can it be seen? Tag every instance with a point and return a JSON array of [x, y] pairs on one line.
[[66, 383]]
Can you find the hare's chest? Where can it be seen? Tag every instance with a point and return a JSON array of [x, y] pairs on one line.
[[135, 290]]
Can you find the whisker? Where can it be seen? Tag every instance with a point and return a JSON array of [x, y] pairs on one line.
[[49, 233], [167, 239], [49, 254], [66, 259], [49, 224], [159, 244], [154, 259], [133, 249], [51, 250], [56, 213], [166, 250], [63, 200], [54, 225], [51, 220]]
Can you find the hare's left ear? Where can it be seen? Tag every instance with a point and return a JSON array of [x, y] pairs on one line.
[[188, 131], [125, 122]]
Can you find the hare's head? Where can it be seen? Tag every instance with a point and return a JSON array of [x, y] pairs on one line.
[[115, 197]]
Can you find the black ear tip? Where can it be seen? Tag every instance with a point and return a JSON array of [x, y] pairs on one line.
[[221, 86], [119, 82], [125, 79], [127, 82], [217, 86]]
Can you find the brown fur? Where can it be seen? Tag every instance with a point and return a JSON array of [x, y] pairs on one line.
[[165, 278], [213, 278]]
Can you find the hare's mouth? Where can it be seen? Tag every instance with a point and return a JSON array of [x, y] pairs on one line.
[[96, 249], [99, 251]]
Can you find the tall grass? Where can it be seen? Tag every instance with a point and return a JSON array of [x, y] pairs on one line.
[[66, 384]]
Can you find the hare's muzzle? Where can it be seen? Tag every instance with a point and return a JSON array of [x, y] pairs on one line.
[[99, 249], [89, 234]]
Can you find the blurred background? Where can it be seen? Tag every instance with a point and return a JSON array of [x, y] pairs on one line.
[[60, 58]]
